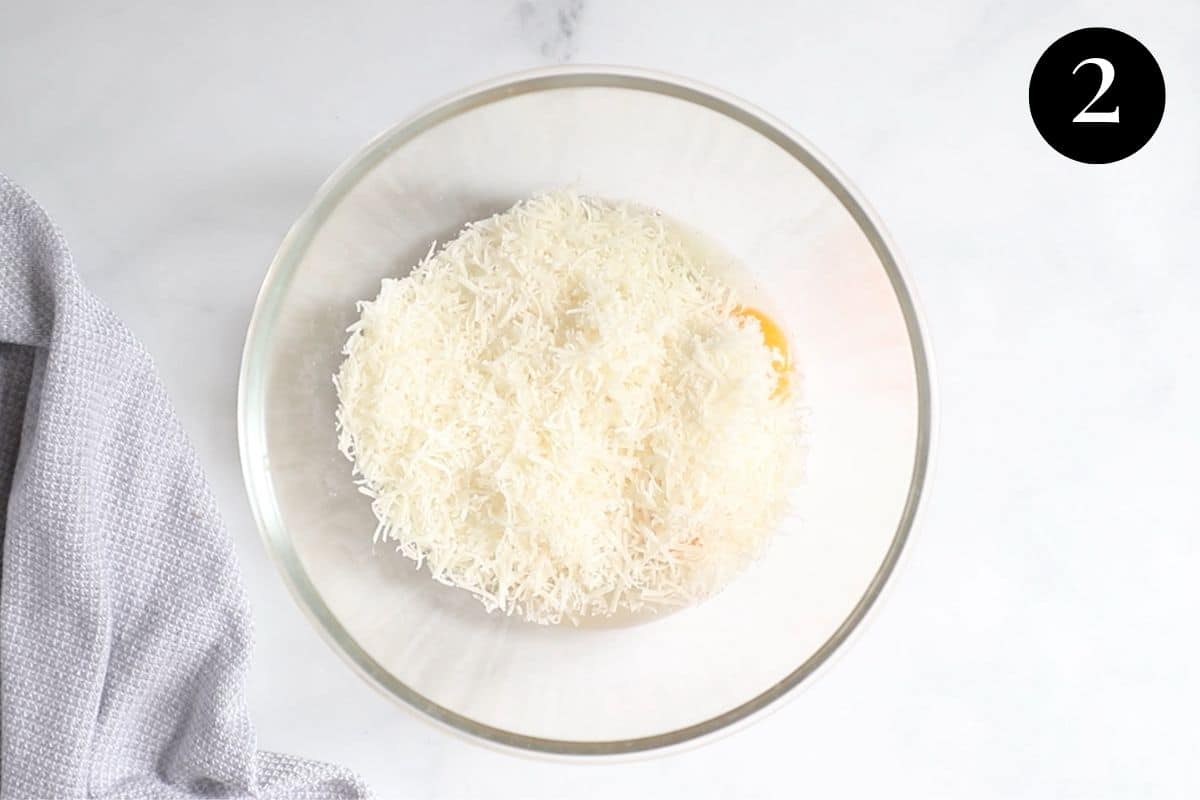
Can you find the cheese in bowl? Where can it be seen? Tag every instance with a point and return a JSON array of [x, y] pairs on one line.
[[567, 412]]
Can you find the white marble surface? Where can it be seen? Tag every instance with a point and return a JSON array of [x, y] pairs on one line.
[[1040, 639]]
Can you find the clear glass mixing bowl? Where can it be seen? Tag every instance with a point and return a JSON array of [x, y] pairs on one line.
[[717, 165]]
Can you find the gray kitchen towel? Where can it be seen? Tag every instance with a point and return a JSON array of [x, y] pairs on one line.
[[124, 630]]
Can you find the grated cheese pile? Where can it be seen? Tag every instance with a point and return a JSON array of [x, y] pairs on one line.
[[562, 412]]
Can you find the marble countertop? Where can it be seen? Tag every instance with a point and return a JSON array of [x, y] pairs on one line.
[[1039, 640]]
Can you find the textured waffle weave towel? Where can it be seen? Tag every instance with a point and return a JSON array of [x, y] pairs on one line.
[[124, 632]]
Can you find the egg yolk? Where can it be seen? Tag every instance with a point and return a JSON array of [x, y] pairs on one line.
[[773, 338]]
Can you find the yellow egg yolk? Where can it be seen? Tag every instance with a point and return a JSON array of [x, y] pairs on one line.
[[774, 339]]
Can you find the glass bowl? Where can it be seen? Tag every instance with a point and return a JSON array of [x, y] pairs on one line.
[[717, 165]]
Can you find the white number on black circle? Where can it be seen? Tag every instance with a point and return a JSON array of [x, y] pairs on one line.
[[1107, 73]]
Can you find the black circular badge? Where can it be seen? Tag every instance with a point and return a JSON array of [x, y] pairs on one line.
[[1097, 95]]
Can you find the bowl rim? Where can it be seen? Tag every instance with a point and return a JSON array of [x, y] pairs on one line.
[[251, 410]]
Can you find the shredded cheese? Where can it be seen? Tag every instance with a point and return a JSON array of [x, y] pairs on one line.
[[562, 412]]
